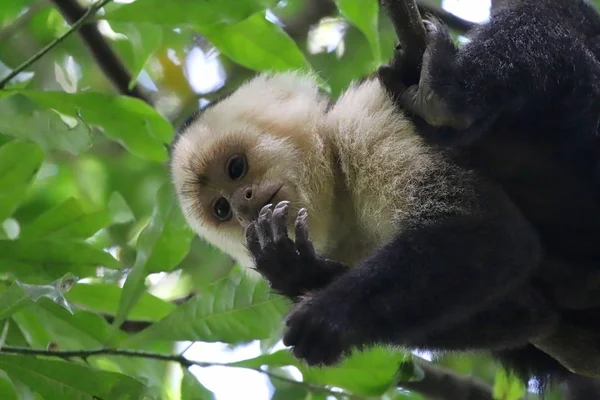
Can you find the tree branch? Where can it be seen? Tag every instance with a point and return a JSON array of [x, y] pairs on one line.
[[105, 57], [88, 14], [443, 384], [177, 358], [407, 22], [438, 383]]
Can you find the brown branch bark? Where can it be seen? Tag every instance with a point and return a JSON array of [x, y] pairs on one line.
[[443, 384], [407, 22], [106, 58]]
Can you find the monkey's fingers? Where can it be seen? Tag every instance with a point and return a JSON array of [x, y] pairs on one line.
[[263, 224], [252, 241], [303, 243], [279, 221]]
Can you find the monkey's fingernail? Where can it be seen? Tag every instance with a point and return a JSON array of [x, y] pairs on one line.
[[264, 210], [303, 213], [283, 203]]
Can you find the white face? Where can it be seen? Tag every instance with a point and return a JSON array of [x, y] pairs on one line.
[[257, 146]]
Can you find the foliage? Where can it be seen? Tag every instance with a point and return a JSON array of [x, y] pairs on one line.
[[94, 250]]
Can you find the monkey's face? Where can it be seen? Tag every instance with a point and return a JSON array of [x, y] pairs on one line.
[[238, 157]]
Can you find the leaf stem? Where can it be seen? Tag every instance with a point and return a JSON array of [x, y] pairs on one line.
[[88, 14]]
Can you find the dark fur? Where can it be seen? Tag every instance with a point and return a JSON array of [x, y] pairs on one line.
[[521, 102]]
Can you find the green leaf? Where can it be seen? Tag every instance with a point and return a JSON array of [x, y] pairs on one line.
[[60, 380], [104, 298], [364, 15], [120, 212], [9, 10], [161, 246], [126, 120], [19, 162], [50, 259], [66, 220], [280, 358], [174, 236], [507, 386], [369, 373], [24, 119], [46, 322], [235, 309], [7, 388], [188, 12], [19, 295], [192, 389], [257, 44], [135, 44], [12, 299]]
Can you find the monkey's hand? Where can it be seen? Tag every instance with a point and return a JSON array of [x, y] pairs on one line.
[[319, 330], [291, 268]]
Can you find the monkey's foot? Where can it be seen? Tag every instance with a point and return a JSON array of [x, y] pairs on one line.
[[291, 268]]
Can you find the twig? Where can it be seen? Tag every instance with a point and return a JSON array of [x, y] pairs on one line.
[[106, 58], [9, 30], [180, 359], [88, 14], [407, 22], [443, 384]]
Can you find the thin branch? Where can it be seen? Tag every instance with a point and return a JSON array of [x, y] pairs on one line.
[[443, 384], [180, 359], [9, 30], [88, 14], [407, 22], [106, 58]]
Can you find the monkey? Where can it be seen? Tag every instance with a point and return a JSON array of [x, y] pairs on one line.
[[521, 103], [406, 246]]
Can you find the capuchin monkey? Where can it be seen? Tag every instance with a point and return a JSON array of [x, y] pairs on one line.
[[410, 244], [441, 257]]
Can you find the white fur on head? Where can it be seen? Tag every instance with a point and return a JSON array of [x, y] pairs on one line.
[[274, 118]]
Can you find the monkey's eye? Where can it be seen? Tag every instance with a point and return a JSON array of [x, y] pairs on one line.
[[237, 167], [221, 209]]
